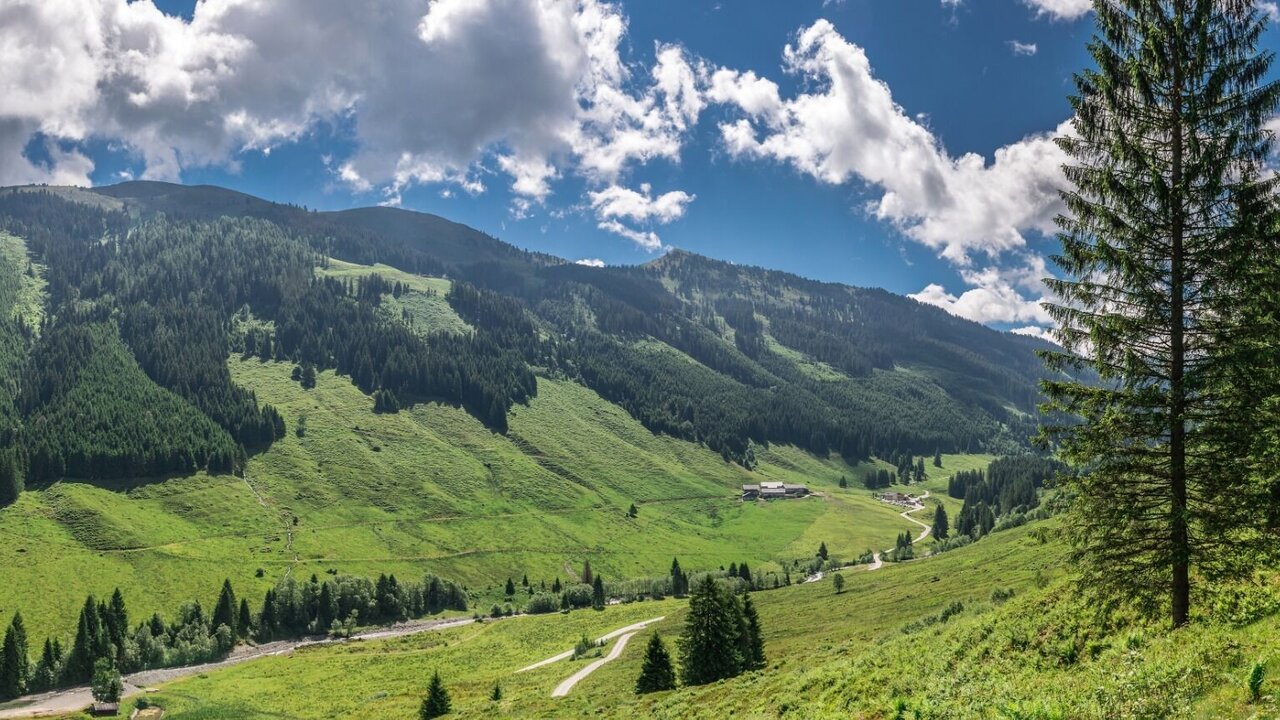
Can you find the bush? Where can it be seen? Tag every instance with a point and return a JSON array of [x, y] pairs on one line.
[[1256, 676], [542, 603]]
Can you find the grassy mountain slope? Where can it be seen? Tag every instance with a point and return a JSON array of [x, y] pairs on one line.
[[539, 400], [875, 650]]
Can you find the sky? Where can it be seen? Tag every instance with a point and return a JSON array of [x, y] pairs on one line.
[[902, 144]]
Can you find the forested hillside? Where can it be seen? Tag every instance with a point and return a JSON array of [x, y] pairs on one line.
[[732, 358]]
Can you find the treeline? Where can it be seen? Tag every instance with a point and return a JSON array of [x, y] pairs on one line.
[[104, 631], [1009, 485], [92, 413], [168, 290]]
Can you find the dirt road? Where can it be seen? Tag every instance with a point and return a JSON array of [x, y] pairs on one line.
[[70, 700]]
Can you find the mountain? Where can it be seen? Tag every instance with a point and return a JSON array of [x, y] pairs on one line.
[[378, 390]]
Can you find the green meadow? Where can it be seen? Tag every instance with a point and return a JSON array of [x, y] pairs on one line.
[[1018, 644], [425, 489]]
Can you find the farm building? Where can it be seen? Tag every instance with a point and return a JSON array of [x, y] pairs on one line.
[[773, 491]]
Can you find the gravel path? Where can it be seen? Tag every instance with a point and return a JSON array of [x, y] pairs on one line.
[[602, 639], [563, 688], [70, 700]]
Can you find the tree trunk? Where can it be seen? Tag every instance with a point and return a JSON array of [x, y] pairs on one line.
[[1178, 536]]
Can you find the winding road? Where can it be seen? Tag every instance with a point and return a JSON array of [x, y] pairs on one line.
[[877, 561], [563, 688], [72, 700]]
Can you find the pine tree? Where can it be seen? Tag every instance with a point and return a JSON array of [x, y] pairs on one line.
[[11, 484], [822, 551], [245, 622], [496, 694], [597, 593], [511, 588], [937, 459], [656, 674], [15, 663], [1169, 249], [710, 644], [940, 527], [436, 703], [752, 642], [224, 613], [586, 572], [327, 610]]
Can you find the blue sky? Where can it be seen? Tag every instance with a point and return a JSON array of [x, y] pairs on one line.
[[861, 183]]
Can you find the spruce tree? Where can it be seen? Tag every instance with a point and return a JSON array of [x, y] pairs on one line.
[[822, 551], [245, 622], [586, 572], [597, 593], [656, 674], [752, 642], [224, 613], [15, 663], [511, 588], [710, 644], [436, 703], [1169, 251], [940, 527]]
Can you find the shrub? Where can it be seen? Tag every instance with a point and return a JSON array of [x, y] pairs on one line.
[[542, 603], [1256, 675]]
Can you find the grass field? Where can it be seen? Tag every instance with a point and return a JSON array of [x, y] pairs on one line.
[[424, 305], [426, 489], [866, 653]]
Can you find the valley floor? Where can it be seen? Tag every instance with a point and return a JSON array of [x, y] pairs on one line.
[[1013, 643]]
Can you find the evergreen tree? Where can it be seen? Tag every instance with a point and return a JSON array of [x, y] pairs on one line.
[[308, 379], [327, 609], [844, 481], [245, 622], [940, 527], [597, 593], [79, 665], [555, 586], [268, 621], [632, 511], [822, 551], [937, 459], [586, 572], [1169, 249], [656, 674], [752, 643], [11, 483], [436, 703], [224, 613], [15, 663], [710, 644], [496, 694], [677, 579], [511, 588]]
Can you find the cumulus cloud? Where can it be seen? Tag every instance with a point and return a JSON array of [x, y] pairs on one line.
[[847, 127], [437, 92], [647, 240], [1023, 49], [1061, 9], [615, 203], [590, 262]]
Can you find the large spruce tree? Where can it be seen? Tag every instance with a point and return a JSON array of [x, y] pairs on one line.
[[656, 673], [710, 646], [1169, 255]]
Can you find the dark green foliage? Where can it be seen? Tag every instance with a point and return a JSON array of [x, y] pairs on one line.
[[15, 663], [750, 642], [716, 633], [586, 572], [1170, 256], [837, 581], [511, 588], [656, 674], [597, 593], [436, 703], [11, 482], [1257, 672], [92, 413], [244, 622], [632, 511], [941, 528], [822, 550], [1008, 485], [496, 694], [224, 612]]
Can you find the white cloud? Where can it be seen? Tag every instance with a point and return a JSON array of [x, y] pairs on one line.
[[647, 240], [619, 202], [431, 91], [1023, 49], [1268, 8], [846, 127], [1061, 9], [590, 262]]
